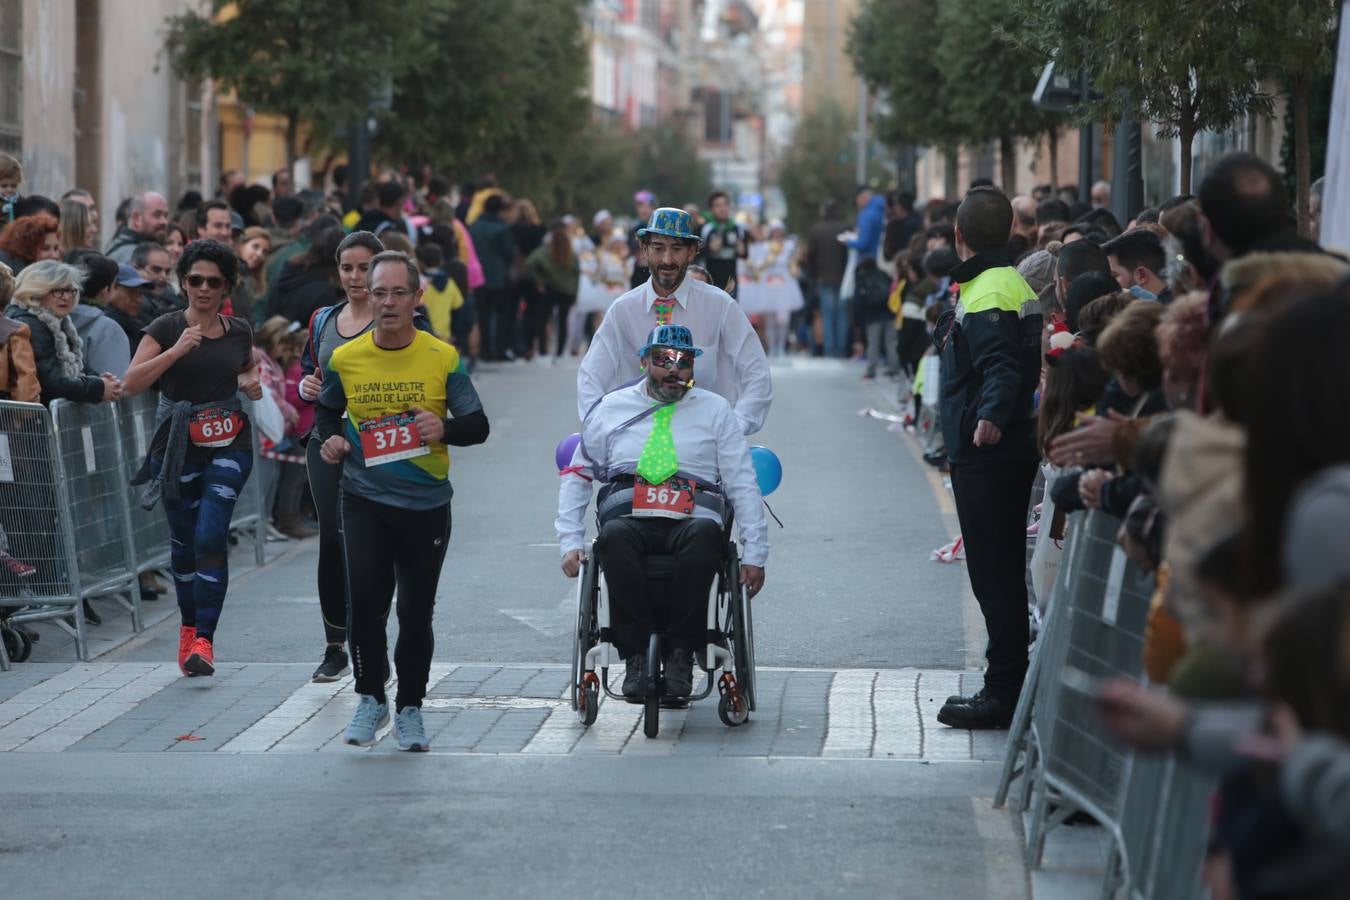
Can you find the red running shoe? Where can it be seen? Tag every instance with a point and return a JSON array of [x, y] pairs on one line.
[[186, 635], [201, 660]]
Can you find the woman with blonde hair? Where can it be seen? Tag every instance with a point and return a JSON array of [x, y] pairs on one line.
[[44, 294]]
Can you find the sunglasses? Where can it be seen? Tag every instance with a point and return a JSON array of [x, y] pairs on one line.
[[214, 282], [672, 359]]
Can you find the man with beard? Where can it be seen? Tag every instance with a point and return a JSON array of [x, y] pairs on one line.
[[734, 365], [670, 457]]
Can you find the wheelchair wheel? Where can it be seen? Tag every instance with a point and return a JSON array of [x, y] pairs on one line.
[[589, 704], [743, 638], [651, 712], [651, 715], [586, 634], [732, 709]]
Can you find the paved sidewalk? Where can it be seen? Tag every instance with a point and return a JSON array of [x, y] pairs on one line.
[[269, 707]]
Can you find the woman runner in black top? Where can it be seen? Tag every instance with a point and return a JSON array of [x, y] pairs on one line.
[[202, 451]]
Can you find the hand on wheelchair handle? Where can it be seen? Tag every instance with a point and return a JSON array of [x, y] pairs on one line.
[[753, 579], [571, 563]]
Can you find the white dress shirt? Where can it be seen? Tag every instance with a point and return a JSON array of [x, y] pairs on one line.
[[733, 364], [708, 443]]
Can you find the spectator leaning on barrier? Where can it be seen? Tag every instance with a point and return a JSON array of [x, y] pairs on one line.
[[44, 295], [991, 366]]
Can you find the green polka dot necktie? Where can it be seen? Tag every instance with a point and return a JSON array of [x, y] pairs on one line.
[[658, 462]]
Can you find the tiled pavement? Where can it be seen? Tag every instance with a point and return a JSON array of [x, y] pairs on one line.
[[477, 709]]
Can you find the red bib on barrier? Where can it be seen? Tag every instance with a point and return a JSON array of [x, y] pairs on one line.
[[671, 499], [391, 438], [215, 427]]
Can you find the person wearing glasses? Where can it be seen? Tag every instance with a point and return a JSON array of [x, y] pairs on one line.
[[202, 450], [407, 397], [734, 365], [671, 458]]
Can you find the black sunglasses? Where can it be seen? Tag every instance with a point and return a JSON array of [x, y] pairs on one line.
[[214, 282]]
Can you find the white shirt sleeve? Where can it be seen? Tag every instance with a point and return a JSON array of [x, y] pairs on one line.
[[745, 356], [739, 483], [601, 368], [574, 496]]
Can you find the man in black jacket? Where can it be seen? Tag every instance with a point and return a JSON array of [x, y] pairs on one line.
[[990, 347]]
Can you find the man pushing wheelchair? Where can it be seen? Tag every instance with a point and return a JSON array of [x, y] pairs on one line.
[[672, 463]]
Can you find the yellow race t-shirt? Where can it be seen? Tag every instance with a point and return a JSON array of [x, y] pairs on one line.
[[378, 388]]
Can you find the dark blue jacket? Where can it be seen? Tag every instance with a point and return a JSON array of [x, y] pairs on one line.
[[991, 361]]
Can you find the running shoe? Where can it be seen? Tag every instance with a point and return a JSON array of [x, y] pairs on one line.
[[412, 734], [201, 658], [186, 635], [371, 716], [334, 664]]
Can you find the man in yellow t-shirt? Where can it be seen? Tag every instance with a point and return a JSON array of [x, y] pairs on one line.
[[406, 397]]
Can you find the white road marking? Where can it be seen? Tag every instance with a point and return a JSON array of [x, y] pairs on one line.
[[851, 721], [63, 710]]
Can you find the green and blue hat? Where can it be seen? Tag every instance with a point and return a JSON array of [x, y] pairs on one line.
[[670, 222], [674, 337]]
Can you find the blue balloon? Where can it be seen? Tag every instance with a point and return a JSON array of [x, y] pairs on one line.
[[566, 447], [768, 469]]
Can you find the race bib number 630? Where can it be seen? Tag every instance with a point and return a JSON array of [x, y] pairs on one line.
[[391, 438]]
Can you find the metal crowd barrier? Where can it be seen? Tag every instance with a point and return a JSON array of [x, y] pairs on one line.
[[1153, 808], [67, 509], [38, 525], [149, 528]]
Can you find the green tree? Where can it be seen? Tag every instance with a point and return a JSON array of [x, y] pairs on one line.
[[1291, 40], [498, 87], [289, 58], [1180, 64], [893, 46], [819, 166], [988, 81], [667, 164]]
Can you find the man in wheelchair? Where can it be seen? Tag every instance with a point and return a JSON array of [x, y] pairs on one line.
[[672, 462]]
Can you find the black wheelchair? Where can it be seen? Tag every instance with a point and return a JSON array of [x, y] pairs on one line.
[[728, 658]]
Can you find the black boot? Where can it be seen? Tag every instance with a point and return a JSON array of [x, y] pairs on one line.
[[980, 712]]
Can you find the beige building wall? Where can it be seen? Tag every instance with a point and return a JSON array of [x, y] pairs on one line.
[[827, 71], [102, 110], [48, 95], [143, 135]]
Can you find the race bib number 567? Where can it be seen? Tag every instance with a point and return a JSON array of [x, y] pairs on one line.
[[391, 438]]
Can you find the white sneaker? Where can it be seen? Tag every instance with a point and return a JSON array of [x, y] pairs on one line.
[[274, 535]]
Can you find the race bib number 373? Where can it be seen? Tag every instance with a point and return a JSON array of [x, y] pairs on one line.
[[391, 438]]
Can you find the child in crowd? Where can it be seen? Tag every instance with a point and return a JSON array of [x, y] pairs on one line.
[[440, 294], [11, 176]]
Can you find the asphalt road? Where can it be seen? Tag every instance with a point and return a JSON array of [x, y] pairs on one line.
[[849, 580], [850, 590]]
